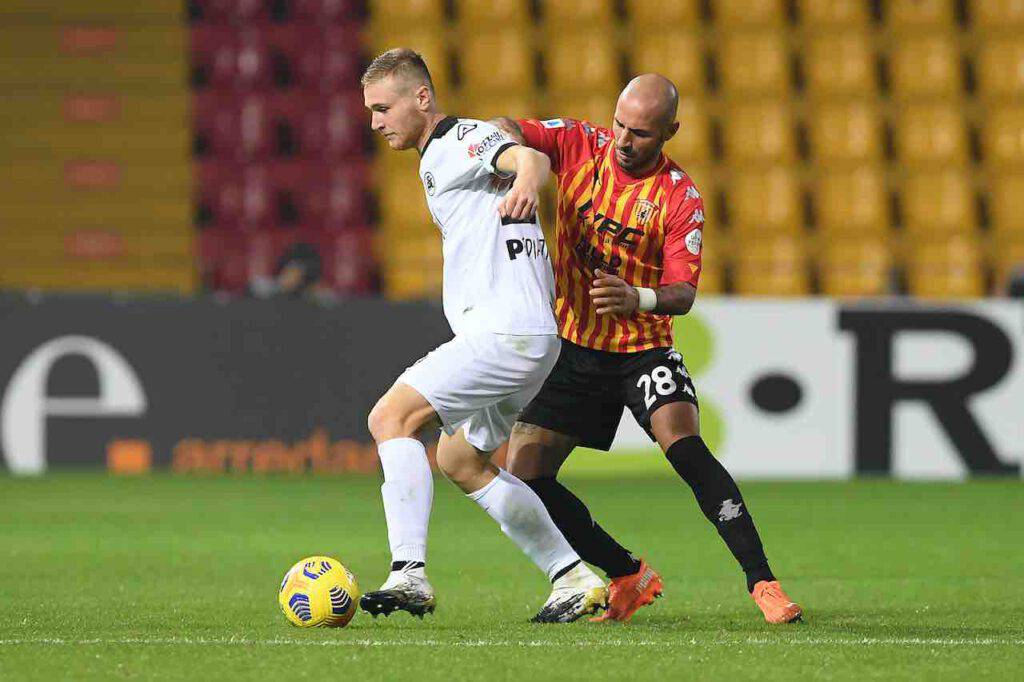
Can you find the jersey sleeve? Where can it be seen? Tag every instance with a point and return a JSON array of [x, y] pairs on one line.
[[483, 143], [684, 237], [564, 140]]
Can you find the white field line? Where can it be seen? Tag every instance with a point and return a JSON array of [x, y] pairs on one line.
[[624, 643]]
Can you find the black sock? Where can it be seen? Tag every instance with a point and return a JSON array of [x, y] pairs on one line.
[[399, 565], [722, 504], [591, 541]]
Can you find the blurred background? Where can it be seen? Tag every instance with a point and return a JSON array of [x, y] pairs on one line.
[[212, 151]]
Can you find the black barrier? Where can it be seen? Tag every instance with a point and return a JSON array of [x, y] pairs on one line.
[[199, 384]]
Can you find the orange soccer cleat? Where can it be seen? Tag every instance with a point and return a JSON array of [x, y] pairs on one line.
[[627, 593], [775, 604]]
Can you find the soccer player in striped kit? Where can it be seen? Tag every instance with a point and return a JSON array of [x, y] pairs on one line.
[[627, 257]]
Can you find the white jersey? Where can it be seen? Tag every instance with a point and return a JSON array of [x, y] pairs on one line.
[[497, 275]]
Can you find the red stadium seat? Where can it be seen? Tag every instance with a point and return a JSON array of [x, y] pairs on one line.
[[229, 11], [349, 261], [326, 11], [231, 127]]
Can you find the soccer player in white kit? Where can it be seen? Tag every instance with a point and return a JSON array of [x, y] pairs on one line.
[[482, 191]]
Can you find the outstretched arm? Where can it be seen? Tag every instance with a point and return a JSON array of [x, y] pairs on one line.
[[510, 127], [531, 169], [614, 296]]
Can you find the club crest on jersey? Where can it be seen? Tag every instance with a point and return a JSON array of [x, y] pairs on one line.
[[693, 242], [428, 183], [645, 210]]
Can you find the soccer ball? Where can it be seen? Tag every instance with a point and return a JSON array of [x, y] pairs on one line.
[[318, 592]]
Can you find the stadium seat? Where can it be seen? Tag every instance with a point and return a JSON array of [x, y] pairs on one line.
[[430, 42], [1006, 203], [582, 62], [729, 13], [1006, 256], [852, 201], [322, 12], [565, 17], [496, 62], [596, 107], [413, 268], [712, 277], [902, 15], [948, 268], [939, 202], [840, 64], [1000, 68], [658, 15], [751, 63], [386, 15], [759, 132], [834, 14], [692, 143], [846, 132], [775, 266], [487, 105], [227, 11], [401, 199], [856, 266], [674, 53], [765, 202], [227, 126], [1002, 135], [926, 65], [498, 15], [930, 134], [997, 15], [348, 259]]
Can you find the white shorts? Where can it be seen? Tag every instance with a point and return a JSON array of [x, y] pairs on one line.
[[482, 381]]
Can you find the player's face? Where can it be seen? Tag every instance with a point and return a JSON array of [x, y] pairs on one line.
[[395, 111], [640, 133]]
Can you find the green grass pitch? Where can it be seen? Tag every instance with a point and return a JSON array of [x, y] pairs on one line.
[[166, 577]]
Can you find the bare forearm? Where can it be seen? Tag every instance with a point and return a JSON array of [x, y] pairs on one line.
[[675, 299], [529, 165]]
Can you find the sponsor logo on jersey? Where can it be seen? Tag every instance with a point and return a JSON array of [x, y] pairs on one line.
[[553, 123], [428, 182], [528, 247], [463, 129], [645, 210], [693, 242], [478, 149]]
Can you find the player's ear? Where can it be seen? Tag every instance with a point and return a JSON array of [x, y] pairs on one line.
[[424, 97], [671, 131]]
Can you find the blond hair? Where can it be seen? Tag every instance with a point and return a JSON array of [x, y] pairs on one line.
[[400, 61]]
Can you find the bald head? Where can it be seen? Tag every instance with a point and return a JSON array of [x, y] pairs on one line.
[[654, 94], [645, 119]]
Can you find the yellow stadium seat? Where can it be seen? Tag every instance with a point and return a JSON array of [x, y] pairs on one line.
[[1006, 203], [752, 62], [853, 201], [998, 14], [712, 279], [487, 105], [493, 15], [730, 13], [570, 15], [774, 266], [388, 14], [596, 107], [497, 62], [429, 42], [759, 131], [840, 64], [846, 132], [926, 65], [151, 12], [676, 54], [948, 268], [401, 196], [766, 202], [916, 14], [1002, 136], [1000, 67], [692, 143], [1006, 256], [856, 267], [931, 133], [939, 202], [582, 62], [657, 15], [837, 14]]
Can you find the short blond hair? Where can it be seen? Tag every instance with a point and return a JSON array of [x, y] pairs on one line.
[[400, 61]]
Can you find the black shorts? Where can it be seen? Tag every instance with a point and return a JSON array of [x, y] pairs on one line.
[[586, 391]]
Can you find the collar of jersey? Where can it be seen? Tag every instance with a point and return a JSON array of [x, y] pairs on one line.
[[625, 178], [442, 127]]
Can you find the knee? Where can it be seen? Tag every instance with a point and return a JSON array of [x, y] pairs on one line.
[[459, 468], [385, 423]]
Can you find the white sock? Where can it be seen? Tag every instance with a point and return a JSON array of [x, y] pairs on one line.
[[408, 493], [523, 518]]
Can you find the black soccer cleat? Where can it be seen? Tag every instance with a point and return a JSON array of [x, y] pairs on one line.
[[386, 602]]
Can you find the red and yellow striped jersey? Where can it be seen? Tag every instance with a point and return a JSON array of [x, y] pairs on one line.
[[646, 230]]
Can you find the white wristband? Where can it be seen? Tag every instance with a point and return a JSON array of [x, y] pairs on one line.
[[648, 299]]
